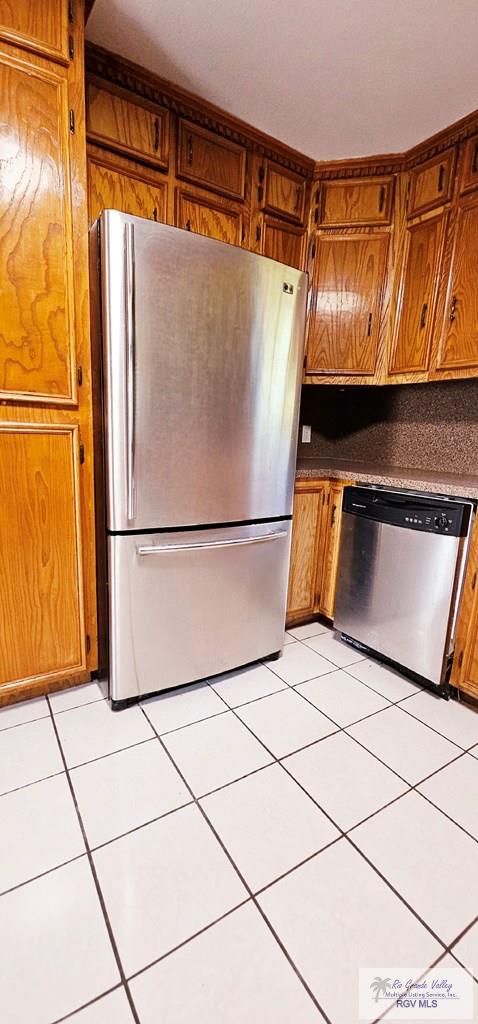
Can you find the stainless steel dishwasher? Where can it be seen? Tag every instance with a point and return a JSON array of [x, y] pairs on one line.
[[400, 576]]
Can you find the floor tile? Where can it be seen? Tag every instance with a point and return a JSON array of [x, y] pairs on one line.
[[383, 679], [95, 730], [177, 708], [27, 754], [341, 697], [163, 883], [408, 747], [284, 722], [127, 789], [56, 953], [345, 780], [466, 951], [452, 718], [267, 824], [298, 663], [455, 791], [111, 1009], [288, 638], [334, 915], [25, 711], [232, 973], [213, 753], [75, 696], [310, 629], [247, 684], [428, 859], [334, 649], [40, 830]]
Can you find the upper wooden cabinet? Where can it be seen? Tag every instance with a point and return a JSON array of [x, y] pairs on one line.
[[431, 183], [306, 549], [283, 242], [126, 123], [112, 189], [207, 159], [469, 175], [37, 345], [206, 216], [347, 290], [281, 192], [410, 352], [354, 203], [40, 26], [458, 346]]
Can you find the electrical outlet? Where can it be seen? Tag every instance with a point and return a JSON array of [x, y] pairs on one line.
[[306, 433]]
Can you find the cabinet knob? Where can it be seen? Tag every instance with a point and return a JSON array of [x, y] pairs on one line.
[[453, 306], [156, 134], [423, 317], [381, 201], [369, 325], [474, 162], [441, 178], [188, 225], [190, 150]]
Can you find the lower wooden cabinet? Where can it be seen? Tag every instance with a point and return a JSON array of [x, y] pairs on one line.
[[465, 665], [330, 559], [315, 549]]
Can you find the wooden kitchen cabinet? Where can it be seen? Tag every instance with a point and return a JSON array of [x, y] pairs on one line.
[[281, 192], [418, 289], [207, 216], [431, 183], [283, 242], [353, 203], [331, 547], [469, 176], [347, 287], [110, 188], [458, 344], [39, 27], [128, 124], [464, 675], [210, 161], [307, 548]]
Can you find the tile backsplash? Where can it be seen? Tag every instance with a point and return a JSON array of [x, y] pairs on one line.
[[428, 426]]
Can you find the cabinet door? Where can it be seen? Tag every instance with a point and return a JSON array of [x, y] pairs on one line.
[[332, 549], [41, 604], [353, 203], [282, 192], [196, 213], [305, 559], [345, 314], [459, 340], [469, 177], [127, 124], [37, 353], [283, 242], [431, 183], [208, 160], [41, 26], [111, 189], [417, 296]]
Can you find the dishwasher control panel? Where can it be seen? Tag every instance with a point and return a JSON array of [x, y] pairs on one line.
[[426, 513]]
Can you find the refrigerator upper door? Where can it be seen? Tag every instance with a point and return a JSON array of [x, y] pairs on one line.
[[203, 350]]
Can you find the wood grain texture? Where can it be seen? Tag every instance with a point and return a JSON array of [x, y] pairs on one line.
[[214, 163], [283, 192], [431, 183], [205, 216], [284, 242], [41, 608], [415, 312], [458, 347], [346, 303], [326, 603], [356, 203], [112, 189], [128, 124], [306, 549], [37, 342], [38, 26]]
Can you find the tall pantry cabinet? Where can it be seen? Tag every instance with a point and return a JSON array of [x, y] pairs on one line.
[[47, 544]]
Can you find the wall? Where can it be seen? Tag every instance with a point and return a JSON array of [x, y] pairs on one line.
[[431, 426]]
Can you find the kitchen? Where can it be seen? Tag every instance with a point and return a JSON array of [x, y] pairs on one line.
[[245, 817]]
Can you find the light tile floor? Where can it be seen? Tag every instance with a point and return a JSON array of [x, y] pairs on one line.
[[236, 850]]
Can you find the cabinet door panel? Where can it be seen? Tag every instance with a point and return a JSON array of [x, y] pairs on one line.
[[110, 189], [137, 128], [283, 192], [459, 342], [416, 304], [332, 549], [305, 550], [208, 160], [469, 179], [38, 26], [41, 588], [431, 183], [36, 331], [208, 218], [345, 314], [283, 242], [354, 203]]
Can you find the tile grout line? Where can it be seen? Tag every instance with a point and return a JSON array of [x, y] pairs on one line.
[[95, 878], [85, 1006]]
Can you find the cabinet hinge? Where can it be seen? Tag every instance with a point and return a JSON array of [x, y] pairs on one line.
[[71, 47], [71, 11], [460, 659], [72, 121], [258, 233], [82, 454], [88, 643], [79, 376], [473, 582]]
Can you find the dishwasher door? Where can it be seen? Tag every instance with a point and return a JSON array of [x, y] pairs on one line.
[[394, 592]]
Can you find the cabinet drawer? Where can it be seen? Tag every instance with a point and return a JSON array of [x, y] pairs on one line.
[[210, 161], [129, 125], [343, 203], [431, 184], [282, 192], [207, 217], [469, 179], [283, 242]]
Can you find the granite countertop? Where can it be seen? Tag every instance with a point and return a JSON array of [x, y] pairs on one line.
[[457, 484]]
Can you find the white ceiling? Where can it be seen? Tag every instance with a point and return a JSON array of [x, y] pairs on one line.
[[332, 78]]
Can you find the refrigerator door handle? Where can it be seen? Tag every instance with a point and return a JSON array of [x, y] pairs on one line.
[[161, 549], [130, 368]]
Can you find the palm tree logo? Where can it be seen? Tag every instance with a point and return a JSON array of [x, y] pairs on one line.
[[380, 986]]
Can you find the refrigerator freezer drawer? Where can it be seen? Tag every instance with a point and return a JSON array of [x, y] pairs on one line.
[[188, 605]]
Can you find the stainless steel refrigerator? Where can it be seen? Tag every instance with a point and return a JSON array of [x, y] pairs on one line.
[[202, 362]]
